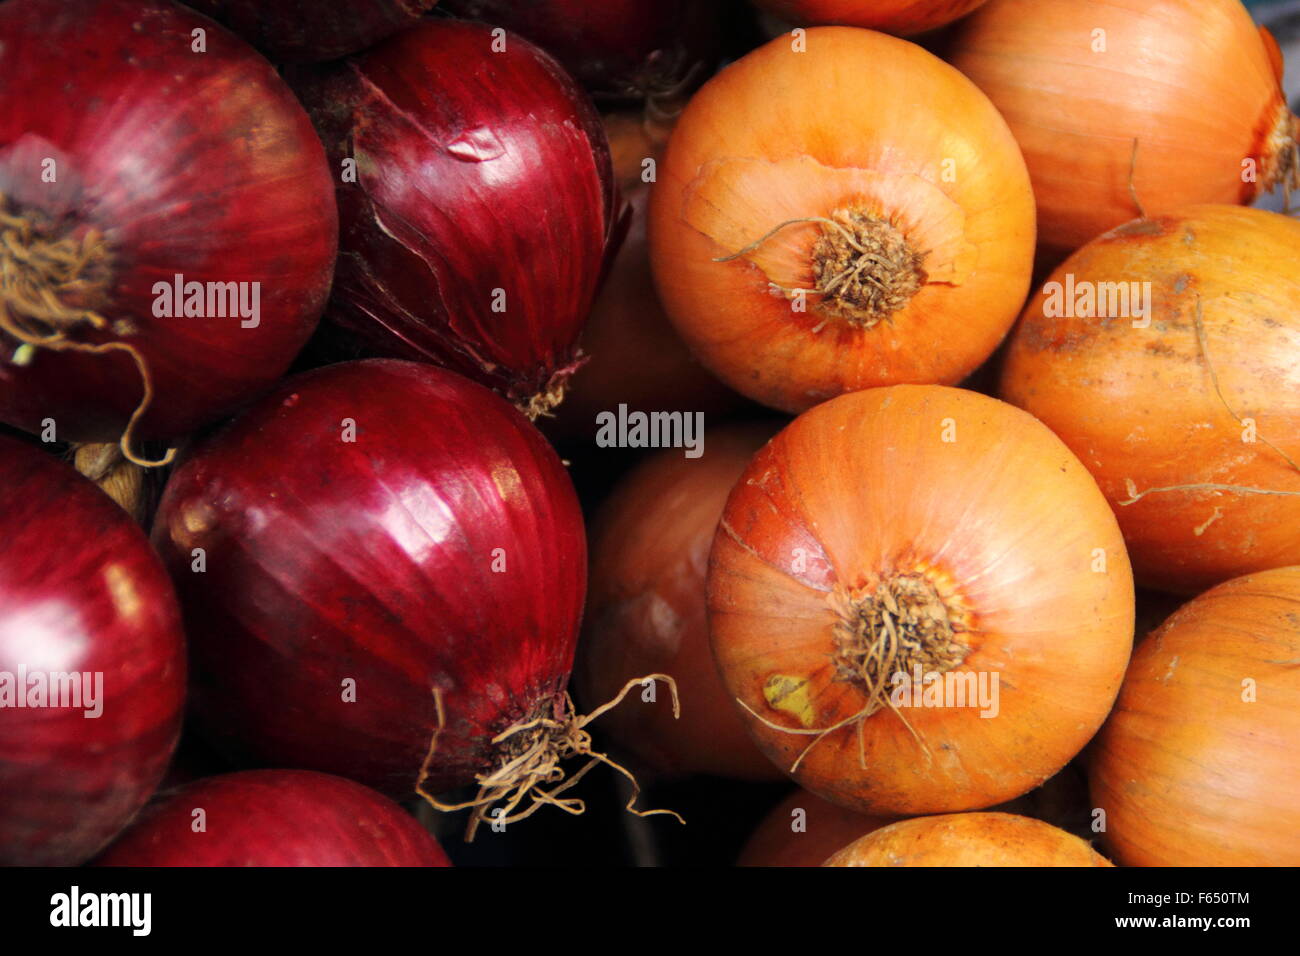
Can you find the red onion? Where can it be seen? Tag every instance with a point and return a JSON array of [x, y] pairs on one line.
[[165, 162], [275, 818], [442, 549], [81, 594], [627, 49], [306, 31], [475, 233]]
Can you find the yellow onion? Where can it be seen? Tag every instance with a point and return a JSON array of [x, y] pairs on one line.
[[1132, 107]]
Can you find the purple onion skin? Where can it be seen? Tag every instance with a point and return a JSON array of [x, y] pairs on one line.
[[275, 818], [476, 234], [80, 591], [309, 31], [617, 49], [198, 164], [444, 548]]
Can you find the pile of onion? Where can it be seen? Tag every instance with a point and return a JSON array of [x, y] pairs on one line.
[[1183, 399], [618, 49], [1197, 764], [205, 178], [313, 30], [646, 610], [931, 531], [411, 587], [92, 664], [969, 839], [476, 203], [903, 17], [275, 818], [839, 210], [1124, 109]]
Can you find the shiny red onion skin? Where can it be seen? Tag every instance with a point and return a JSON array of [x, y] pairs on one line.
[[308, 31], [621, 49], [80, 590], [476, 171], [201, 164], [328, 560], [275, 818]]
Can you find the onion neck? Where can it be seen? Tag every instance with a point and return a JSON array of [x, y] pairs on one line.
[[902, 625], [1280, 160], [542, 404], [865, 269]]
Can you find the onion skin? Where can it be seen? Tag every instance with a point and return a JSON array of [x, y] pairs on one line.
[[1190, 772], [275, 818], [805, 540], [1193, 81], [298, 31], [505, 185], [80, 591], [903, 17], [828, 828], [207, 167], [373, 561], [783, 135], [1139, 404], [646, 609], [969, 839], [618, 49]]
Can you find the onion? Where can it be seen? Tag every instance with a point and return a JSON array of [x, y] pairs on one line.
[[930, 530], [850, 216], [803, 830], [646, 609], [313, 30], [1197, 764], [969, 839], [621, 49], [81, 594], [893, 16], [166, 163], [413, 595], [275, 818], [1127, 109], [635, 356], [477, 228], [1183, 397]]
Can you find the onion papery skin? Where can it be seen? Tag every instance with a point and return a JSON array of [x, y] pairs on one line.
[[275, 818], [483, 181], [1140, 405], [1194, 82], [846, 127], [204, 166], [1001, 526], [373, 561], [902, 17], [308, 31], [827, 828], [81, 592], [1197, 766], [646, 609], [969, 839], [618, 49]]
